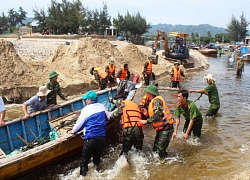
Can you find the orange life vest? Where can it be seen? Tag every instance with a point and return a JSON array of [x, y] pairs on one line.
[[149, 67], [177, 74], [123, 75], [101, 72], [111, 69], [131, 114], [167, 116], [144, 100]]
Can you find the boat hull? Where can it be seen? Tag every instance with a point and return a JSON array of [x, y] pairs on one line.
[[209, 52], [18, 132]]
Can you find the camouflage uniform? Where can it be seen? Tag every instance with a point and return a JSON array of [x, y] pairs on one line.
[[131, 136], [163, 137], [147, 76], [55, 89], [111, 77], [103, 82]]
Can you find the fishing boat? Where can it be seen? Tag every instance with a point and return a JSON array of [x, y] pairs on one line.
[[246, 57], [28, 144], [209, 52]]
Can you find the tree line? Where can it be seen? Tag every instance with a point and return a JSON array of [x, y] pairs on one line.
[[73, 17]]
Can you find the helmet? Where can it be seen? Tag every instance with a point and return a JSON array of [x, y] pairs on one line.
[[53, 74], [150, 57], [152, 89], [91, 70], [111, 61]]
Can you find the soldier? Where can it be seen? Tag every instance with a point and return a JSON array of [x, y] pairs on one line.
[[240, 66], [132, 130], [176, 75], [54, 86], [123, 73], [147, 70], [100, 76], [158, 114], [110, 70]]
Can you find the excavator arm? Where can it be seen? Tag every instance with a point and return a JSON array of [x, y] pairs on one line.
[[162, 34]]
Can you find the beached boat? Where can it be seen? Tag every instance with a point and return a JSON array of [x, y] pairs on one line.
[[246, 57], [209, 52], [28, 144]]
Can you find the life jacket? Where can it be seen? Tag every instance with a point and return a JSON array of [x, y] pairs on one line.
[[144, 100], [101, 72], [131, 114], [166, 118], [149, 67], [123, 74], [111, 69], [177, 74]]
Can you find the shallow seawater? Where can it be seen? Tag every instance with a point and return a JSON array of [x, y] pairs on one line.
[[222, 152]]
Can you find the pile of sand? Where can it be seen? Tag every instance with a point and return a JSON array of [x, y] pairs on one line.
[[72, 62], [14, 71]]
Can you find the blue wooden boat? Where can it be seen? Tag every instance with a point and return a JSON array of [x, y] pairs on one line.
[[24, 144]]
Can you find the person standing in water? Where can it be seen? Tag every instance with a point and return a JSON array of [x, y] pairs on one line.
[[213, 96]]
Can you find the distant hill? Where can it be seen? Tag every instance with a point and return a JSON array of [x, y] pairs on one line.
[[202, 29]]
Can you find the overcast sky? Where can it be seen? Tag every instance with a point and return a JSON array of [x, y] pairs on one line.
[[185, 12]]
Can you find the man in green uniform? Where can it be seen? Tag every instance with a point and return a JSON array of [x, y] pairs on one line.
[[158, 114], [191, 113], [54, 86], [129, 114], [147, 70], [213, 96], [240, 66], [101, 76]]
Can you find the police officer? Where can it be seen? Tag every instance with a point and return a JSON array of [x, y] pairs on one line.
[[191, 114], [159, 114], [54, 86]]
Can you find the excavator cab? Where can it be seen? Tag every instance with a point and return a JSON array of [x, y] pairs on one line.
[[179, 50]]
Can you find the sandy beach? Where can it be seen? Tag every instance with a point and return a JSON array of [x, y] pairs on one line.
[[27, 62]]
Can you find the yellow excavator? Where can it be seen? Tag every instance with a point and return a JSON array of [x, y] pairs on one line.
[[179, 52], [163, 35]]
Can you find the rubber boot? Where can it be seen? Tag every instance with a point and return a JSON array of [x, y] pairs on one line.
[[83, 170]]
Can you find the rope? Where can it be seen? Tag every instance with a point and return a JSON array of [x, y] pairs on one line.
[[198, 97]]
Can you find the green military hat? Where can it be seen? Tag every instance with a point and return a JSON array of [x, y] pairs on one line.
[[91, 70], [152, 89], [111, 61], [151, 57], [53, 74]]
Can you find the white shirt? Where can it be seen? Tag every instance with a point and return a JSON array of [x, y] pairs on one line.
[[2, 107]]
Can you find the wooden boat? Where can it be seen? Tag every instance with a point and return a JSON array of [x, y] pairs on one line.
[[24, 144], [209, 52], [246, 57]]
